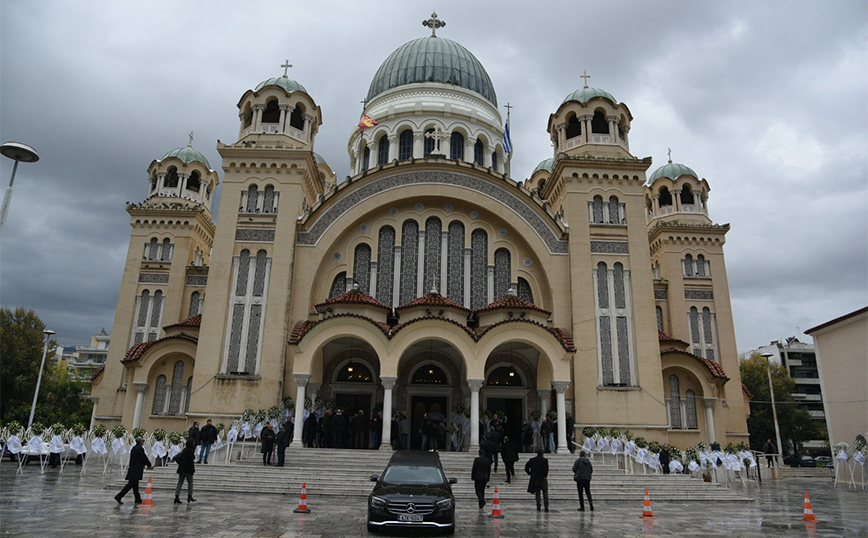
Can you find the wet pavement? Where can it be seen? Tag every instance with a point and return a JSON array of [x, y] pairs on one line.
[[69, 505]]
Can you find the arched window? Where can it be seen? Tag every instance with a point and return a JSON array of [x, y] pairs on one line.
[[688, 265], [268, 205], [354, 372], [152, 249], [296, 118], [524, 290], [143, 308], [430, 143], [708, 333], [504, 376], [339, 285], [690, 409], [599, 125], [494, 160], [574, 126], [674, 403], [385, 264], [618, 277], [686, 195], [252, 198], [409, 260], [194, 304], [153, 180], [478, 149], [455, 262], [693, 321], [602, 285], [405, 145], [156, 308], [362, 268], [177, 386], [194, 182], [383, 150], [166, 250], [659, 312], [271, 114], [614, 210], [457, 147], [366, 158], [429, 374], [665, 197], [433, 246], [248, 306], [502, 277], [597, 210], [478, 269], [160, 396], [188, 394], [700, 265], [171, 178]]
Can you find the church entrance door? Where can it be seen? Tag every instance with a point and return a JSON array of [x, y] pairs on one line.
[[514, 416], [419, 405]]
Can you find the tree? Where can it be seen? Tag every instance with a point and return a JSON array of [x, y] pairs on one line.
[[796, 423], [21, 345]]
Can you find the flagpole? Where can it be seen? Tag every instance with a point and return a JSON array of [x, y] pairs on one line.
[[508, 135]]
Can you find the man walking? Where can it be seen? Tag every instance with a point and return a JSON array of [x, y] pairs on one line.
[[664, 459], [770, 451], [282, 443], [480, 473], [510, 455], [138, 461], [538, 469], [208, 435], [582, 470]]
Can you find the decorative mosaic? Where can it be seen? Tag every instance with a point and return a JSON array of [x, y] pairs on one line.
[[661, 295], [339, 285], [597, 210], [177, 376], [706, 325], [252, 198], [336, 256], [409, 260], [235, 338], [602, 285], [157, 303], [503, 232], [455, 263], [385, 264], [527, 262], [253, 338], [547, 231], [393, 211], [153, 278], [478, 269], [709, 354], [609, 247], [502, 278], [194, 304], [243, 271], [433, 246], [363, 227], [197, 280], [254, 235], [699, 295], [690, 409], [620, 294], [259, 273], [362, 268], [614, 213], [623, 350], [674, 403], [606, 349], [160, 395], [524, 291], [693, 319], [144, 303], [268, 200]]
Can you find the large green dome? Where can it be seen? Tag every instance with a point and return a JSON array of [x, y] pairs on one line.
[[188, 155], [433, 59], [672, 171]]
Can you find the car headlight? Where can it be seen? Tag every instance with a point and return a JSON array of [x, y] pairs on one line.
[[444, 504], [377, 502]]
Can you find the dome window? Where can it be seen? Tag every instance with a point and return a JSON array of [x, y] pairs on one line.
[[194, 183], [366, 158], [477, 152], [383, 150], [405, 145], [457, 147], [296, 118], [172, 178], [665, 197], [599, 125], [574, 127], [686, 195], [271, 114]]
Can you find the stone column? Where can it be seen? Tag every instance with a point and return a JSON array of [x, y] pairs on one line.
[[586, 127], [393, 147], [475, 385], [613, 129], [140, 404], [386, 438], [543, 398], [490, 285], [372, 288], [655, 204], [418, 145], [313, 390], [561, 387], [301, 380], [709, 419], [469, 145], [257, 118], [676, 200], [308, 131], [284, 112]]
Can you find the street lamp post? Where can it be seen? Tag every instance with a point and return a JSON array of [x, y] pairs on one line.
[[48, 334], [768, 357], [19, 153]]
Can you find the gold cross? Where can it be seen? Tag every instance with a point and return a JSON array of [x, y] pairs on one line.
[[585, 76], [434, 23], [286, 67]]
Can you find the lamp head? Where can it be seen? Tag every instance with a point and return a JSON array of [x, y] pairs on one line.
[[48, 333]]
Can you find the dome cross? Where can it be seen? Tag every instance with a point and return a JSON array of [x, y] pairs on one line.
[[434, 23], [286, 65], [670, 155], [190, 143], [585, 76]]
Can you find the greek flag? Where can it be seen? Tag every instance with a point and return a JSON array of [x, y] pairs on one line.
[[507, 143]]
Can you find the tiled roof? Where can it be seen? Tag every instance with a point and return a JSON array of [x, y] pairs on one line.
[[746, 391], [562, 336], [137, 351], [354, 297], [435, 300], [303, 327], [465, 328], [97, 373], [511, 301], [194, 321], [715, 369], [666, 337]]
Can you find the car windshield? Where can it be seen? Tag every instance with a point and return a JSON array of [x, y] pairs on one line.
[[411, 474]]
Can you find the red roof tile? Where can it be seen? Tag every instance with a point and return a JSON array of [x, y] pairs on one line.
[[194, 321], [513, 302], [465, 328], [715, 369], [97, 373], [562, 336], [746, 391], [666, 337], [433, 299], [303, 327], [354, 297], [137, 351]]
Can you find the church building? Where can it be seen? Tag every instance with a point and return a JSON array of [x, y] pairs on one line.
[[429, 279]]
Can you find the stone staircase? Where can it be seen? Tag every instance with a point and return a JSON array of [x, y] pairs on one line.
[[346, 473], [808, 472]]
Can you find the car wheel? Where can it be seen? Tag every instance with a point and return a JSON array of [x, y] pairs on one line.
[[372, 528]]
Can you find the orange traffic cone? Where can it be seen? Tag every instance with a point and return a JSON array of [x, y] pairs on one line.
[[809, 510], [495, 510], [646, 512], [147, 498], [302, 503]]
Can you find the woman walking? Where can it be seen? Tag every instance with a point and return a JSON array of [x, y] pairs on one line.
[[186, 467]]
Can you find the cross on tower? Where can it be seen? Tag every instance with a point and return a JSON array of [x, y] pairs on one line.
[[190, 143], [434, 23], [286, 67], [670, 155], [364, 103], [585, 76], [508, 108]]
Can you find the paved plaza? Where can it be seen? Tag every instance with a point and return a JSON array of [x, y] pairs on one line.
[[51, 504]]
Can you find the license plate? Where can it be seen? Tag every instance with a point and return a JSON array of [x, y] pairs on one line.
[[410, 517]]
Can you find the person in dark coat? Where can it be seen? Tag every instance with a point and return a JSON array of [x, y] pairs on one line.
[[510, 455], [571, 426], [376, 427], [480, 473], [310, 424], [326, 427], [186, 467], [487, 447], [267, 436], [138, 461], [339, 426], [545, 432], [496, 437], [207, 436], [526, 436], [770, 451], [282, 443], [361, 431], [582, 470], [664, 459], [194, 433], [538, 469]]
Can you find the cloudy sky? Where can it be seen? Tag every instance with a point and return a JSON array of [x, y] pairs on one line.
[[766, 100]]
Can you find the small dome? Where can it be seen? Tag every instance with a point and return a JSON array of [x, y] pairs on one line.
[[284, 82], [319, 159], [583, 95], [188, 155], [672, 171], [544, 165], [433, 59]]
